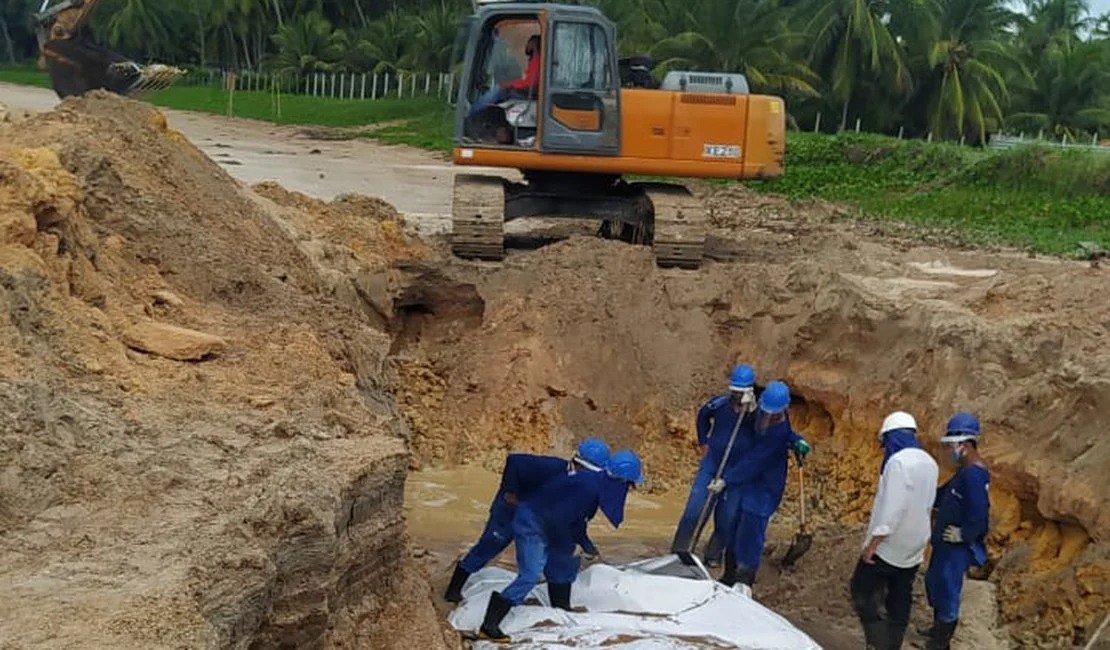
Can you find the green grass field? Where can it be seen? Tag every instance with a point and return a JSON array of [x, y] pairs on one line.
[[1045, 200]]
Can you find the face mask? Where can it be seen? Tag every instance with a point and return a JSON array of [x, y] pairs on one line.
[[956, 454]]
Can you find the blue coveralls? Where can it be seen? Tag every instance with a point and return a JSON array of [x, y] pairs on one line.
[[715, 421], [755, 480], [546, 528], [962, 501], [523, 476]]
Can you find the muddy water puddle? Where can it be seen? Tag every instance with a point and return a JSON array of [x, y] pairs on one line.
[[446, 509]]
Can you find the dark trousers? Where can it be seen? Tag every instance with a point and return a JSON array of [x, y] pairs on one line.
[[874, 585]]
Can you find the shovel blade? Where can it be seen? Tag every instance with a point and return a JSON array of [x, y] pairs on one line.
[[798, 547]]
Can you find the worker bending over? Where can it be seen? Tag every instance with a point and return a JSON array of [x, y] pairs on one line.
[[894, 546], [960, 529], [545, 527], [755, 480], [716, 420], [523, 476]]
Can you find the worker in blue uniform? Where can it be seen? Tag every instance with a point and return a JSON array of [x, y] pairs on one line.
[[716, 420], [545, 527], [755, 481], [522, 477], [962, 512]]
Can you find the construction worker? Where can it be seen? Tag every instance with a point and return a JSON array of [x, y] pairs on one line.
[[960, 528], [522, 477], [544, 530], [525, 87], [716, 420], [894, 546], [755, 481]]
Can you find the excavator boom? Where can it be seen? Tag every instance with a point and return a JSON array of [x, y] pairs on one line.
[[78, 65]]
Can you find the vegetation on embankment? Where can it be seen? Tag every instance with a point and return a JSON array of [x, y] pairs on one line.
[[1040, 198]]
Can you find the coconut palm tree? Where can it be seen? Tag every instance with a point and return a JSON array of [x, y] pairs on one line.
[[386, 46], [851, 43], [435, 30], [748, 36], [1070, 92], [962, 63], [308, 44]]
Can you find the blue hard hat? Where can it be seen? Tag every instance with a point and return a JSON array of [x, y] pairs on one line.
[[593, 453], [742, 377], [961, 426], [775, 398], [625, 465]]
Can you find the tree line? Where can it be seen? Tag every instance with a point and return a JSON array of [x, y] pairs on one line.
[[951, 68]]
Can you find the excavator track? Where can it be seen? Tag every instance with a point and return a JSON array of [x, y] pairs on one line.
[[478, 217], [678, 225]]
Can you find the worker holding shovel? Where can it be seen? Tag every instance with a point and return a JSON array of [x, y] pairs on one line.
[[755, 482], [716, 421]]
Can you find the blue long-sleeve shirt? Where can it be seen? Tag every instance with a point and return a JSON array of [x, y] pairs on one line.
[[759, 465], [525, 474], [715, 421], [964, 501], [565, 504]]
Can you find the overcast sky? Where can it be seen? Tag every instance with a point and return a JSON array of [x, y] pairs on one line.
[[1099, 7]]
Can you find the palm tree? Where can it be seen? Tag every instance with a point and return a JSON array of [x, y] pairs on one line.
[[386, 45], [435, 31], [1070, 92], [964, 62], [852, 43], [748, 36], [308, 44]]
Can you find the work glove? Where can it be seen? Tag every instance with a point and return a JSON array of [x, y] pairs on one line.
[[953, 535], [801, 450], [716, 486]]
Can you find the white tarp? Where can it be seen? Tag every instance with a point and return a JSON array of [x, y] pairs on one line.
[[629, 609]]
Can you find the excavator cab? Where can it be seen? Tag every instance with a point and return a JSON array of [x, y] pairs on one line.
[[77, 65], [540, 77]]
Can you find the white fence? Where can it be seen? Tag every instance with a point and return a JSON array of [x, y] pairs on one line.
[[331, 85], [1011, 141]]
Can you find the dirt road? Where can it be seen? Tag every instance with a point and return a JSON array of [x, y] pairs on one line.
[[417, 183]]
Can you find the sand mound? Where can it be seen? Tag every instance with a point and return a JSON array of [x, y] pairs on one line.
[[249, 495]]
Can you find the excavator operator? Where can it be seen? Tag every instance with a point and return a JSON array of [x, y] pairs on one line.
[[524, 88]]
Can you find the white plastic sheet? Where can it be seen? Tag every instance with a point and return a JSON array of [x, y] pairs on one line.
[[628, 609]]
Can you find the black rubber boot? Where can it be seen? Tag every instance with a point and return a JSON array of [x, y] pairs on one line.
[[560, 595], [728, 578], [941, 638], [875, 635], [454, 588], [895, 634], [745, 575], [495, 613]]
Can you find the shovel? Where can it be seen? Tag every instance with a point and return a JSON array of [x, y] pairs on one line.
[[687, 556], [802, 539]]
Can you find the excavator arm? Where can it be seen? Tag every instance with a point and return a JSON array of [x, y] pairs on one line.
[[77, 65]]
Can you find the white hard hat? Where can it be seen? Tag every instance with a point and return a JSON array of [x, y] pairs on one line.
[[897, 420]]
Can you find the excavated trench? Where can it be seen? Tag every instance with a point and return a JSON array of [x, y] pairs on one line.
[[587, 337], [201, 385]]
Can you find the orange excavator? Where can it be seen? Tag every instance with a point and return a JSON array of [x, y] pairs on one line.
[[580, 122], [77, 65]]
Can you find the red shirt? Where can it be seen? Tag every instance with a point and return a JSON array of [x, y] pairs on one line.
[[531, 78]]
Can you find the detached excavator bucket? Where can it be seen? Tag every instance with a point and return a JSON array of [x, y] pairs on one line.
[[78, 65]]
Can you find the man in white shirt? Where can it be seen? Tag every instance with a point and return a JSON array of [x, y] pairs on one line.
[[894, 546]]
